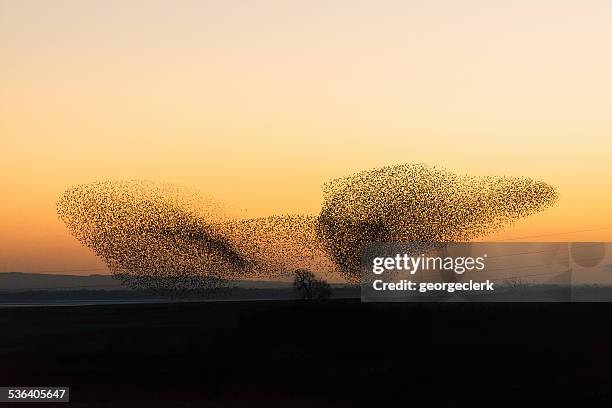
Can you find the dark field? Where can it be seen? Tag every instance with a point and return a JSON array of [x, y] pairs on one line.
[[292, 353]]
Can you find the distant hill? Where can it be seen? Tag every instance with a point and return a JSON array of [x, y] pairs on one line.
[[20, 281], [10, 281]]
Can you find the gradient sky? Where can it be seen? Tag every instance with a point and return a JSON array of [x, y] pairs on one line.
[[258, 103]]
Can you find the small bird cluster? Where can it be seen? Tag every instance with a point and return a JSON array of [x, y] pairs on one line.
[[159, 236], [279, 244]]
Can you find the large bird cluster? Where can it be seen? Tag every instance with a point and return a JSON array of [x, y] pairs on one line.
[[151, 234], [158, 236], [417, 203]]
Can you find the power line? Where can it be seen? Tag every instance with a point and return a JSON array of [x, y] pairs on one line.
[[555, 233], [543, 251]]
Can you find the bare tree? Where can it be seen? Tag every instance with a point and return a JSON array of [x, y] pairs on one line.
[[307, 286]]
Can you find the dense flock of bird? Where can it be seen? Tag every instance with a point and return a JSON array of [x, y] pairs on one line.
[[160, 236]]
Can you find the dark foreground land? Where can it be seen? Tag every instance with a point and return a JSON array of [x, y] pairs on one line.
[[291, 353]]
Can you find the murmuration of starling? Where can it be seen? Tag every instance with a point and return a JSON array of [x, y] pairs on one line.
[[162, 237]]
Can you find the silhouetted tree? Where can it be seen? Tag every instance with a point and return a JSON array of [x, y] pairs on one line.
[[307, 286]]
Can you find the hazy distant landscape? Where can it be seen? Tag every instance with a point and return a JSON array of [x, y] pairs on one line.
[[16, 281], [28, 289], [18, 288]]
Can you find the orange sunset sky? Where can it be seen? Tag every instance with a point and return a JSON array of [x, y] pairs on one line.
[[258, 103]]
